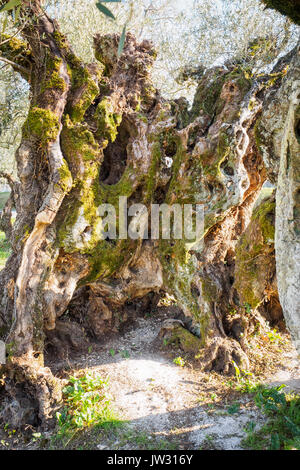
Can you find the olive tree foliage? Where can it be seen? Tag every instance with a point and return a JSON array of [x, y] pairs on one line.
[[236, 25], [188, 35]]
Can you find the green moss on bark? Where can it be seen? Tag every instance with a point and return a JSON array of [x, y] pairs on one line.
[[82, 78], [53, 78], [107, 120], [16, 50]]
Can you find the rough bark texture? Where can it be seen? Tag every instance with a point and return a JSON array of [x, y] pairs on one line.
[[279, 141], [100, 131]]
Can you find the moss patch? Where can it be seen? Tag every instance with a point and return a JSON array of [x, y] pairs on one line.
[[53, 78], [184, 339], [255, 261]]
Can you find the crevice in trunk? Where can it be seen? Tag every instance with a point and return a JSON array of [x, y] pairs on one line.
[[115, 156]]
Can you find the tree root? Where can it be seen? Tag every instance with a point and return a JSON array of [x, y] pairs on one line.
[[31, 394]]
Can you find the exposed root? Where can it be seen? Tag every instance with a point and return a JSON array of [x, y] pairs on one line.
[[221, 354]]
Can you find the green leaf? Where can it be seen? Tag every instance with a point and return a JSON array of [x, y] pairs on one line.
[[122, 41], [105, 11], [10, 5]]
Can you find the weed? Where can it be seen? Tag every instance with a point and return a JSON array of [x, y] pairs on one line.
[[86, 404], [167, 300], [282, 431], [232, 312], [36, 436], [245, 382], [179, 361], [250, 426]]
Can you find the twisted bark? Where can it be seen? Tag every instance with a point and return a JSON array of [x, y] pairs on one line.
[[98, 132]]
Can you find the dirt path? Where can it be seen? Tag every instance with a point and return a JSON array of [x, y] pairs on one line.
[[163, 402]]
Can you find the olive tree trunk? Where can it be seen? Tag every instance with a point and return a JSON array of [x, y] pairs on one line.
[[98, 132]]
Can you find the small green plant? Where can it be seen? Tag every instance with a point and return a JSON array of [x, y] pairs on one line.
[[248, 307], [151, 383], [151, 442], [87, 403], [282, 431], [250, 426], [179, 361], [232, 312], [112, 352], [274, 336]]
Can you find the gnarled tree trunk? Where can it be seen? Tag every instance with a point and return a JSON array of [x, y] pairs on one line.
[[98, 132]]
